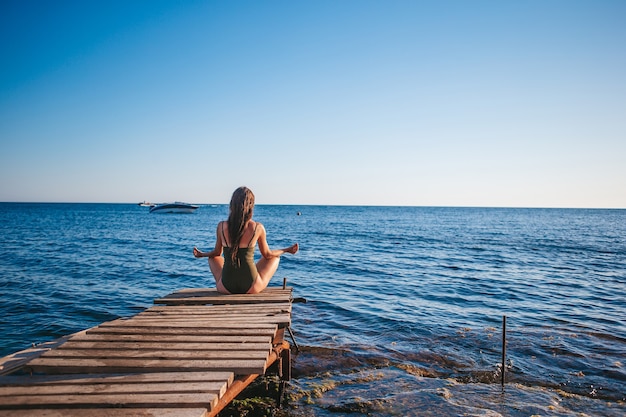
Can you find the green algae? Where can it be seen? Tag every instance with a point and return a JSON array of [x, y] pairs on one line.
[[259, 399]]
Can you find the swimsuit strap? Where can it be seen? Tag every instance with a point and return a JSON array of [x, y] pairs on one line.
[[253, 233], [223, 235]]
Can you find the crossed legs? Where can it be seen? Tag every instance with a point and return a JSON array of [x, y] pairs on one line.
[[217, 265], [266, 268]]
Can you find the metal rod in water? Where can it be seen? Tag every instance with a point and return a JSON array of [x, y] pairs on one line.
[[503, 349], [293, 338]]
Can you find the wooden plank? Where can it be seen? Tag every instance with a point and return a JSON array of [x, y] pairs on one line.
[[173, 338], [286, 304], [195, 400], [108, 412], [200, 318], [209, 309], [228, 321], [156, 354], [214, 300], [114, 379], [227, 331], [211, 296], [213, 291], [217, 388], [230, 298], [165, 345], [104, 365], [203, 323], [200, 322]]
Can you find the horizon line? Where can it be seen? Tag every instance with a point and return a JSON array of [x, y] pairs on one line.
[[334, 205]]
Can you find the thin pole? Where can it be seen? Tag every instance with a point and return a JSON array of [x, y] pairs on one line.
[[293, 338], [503, 350]]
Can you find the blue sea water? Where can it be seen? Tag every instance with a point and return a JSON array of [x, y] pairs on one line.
[[404, 304]]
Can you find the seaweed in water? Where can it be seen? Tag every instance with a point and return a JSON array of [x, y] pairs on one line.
[[259, 399]]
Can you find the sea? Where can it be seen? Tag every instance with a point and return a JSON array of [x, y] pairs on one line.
[[402, 309]]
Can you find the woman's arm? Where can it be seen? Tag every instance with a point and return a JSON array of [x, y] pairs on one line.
[[269, 253], [217, 251]]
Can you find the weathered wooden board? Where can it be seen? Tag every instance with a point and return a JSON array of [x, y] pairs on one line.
[[213, 300], [139, 378], [203, 292], [225, 331], [213, 318], [106, 353], [164, 345], [247, 317], [174, 338], [231, 322], [107, 412], [106, 365], [211, 296], [217, 388], [284, 307], [175, 399]]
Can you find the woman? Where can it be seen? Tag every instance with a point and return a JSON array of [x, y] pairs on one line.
[[236, 272]]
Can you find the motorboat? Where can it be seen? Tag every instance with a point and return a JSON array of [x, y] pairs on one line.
[[145, 204], [176, 207]]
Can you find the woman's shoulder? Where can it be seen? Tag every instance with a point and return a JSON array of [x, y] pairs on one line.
[[256, 226], [259, 228]]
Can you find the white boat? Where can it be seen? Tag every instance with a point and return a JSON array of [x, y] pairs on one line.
[[176, 207]]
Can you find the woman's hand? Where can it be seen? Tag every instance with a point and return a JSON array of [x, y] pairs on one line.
[[198, 253]]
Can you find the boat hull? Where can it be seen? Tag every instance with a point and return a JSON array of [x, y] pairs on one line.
[[177, 208]]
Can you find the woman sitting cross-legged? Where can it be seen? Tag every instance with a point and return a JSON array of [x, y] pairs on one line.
[[235, 272]]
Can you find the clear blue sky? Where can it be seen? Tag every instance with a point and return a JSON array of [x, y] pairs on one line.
[[455, 103]]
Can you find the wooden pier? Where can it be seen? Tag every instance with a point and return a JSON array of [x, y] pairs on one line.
[[189, 355]]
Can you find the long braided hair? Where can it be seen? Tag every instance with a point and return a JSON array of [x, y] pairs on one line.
[[241, 207]]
